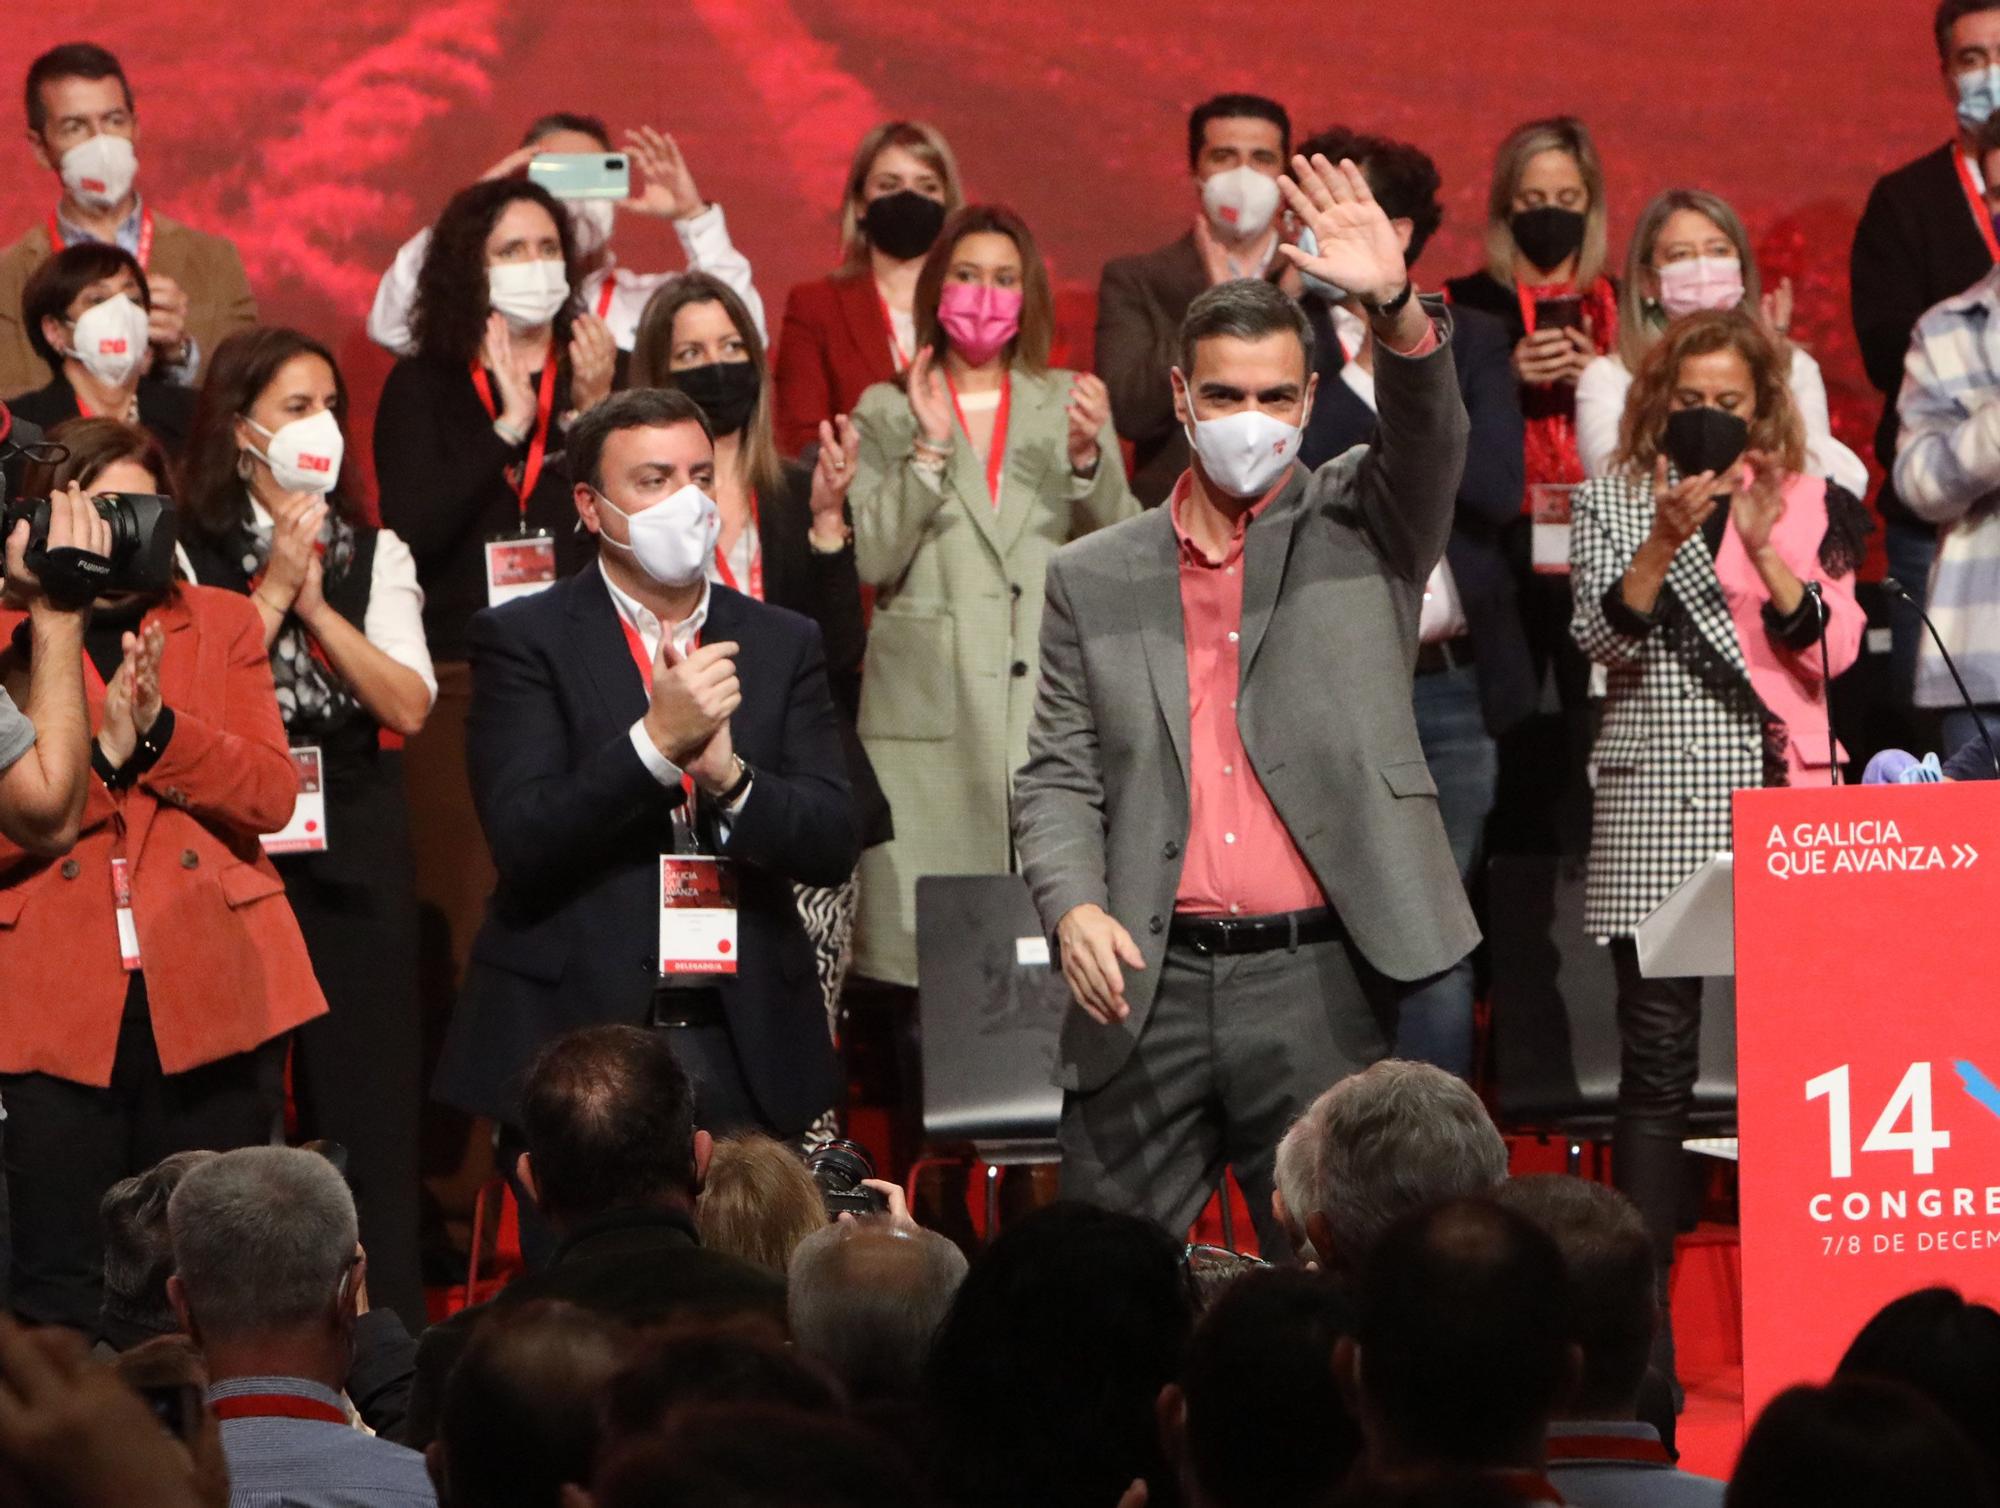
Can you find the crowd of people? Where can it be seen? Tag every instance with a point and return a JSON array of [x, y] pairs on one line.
[[617, 732]]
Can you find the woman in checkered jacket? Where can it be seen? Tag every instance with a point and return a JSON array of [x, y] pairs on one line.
[[1714, 580]]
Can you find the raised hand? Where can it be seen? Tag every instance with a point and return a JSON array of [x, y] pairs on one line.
[[693, 696], [1754, 510], [668, 189], [516, 394], [512, 165], [1776, 308], [1089, 409], [1681, 509], [930, 398], [833, 474], [294, 550], [593, 355], [166, 316], [1358, 249], [132, 696]]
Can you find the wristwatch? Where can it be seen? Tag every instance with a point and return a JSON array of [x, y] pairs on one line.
[[1394, 306], [738, 786]]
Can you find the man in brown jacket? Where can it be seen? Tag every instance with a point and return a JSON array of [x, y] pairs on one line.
[[83, 128]]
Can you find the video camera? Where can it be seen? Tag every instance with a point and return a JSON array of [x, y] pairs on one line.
[[142, 529]]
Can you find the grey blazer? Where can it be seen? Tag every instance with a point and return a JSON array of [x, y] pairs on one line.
[[1334, 574]]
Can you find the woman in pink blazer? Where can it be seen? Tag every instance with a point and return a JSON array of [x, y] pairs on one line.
[[1714, 581]]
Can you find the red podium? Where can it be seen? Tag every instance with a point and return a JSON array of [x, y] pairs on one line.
[[1868, 1061]]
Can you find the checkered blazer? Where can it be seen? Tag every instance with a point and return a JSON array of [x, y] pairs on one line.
[[1683, 729]]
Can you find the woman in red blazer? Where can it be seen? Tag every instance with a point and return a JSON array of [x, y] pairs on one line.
[[131, 1031], [854, 327]]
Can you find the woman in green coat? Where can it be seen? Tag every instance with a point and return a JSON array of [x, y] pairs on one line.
[[971, 474]]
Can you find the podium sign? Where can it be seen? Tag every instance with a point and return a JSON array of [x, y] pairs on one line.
[[1868, 1061]]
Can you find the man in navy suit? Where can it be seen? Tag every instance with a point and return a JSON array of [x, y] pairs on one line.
[[633, 711]]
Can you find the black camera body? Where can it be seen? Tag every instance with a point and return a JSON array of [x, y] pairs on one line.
[[141, 560], [838, 1166]]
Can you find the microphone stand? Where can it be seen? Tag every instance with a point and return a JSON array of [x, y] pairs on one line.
[[1896, 588]]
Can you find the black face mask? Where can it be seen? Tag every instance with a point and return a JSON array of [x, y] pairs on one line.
[[726, 390], [903, 224], [1548, 236], [1704, 439]]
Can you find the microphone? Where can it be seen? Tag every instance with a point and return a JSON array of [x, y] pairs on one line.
[[1814, 591], [1896, 589]]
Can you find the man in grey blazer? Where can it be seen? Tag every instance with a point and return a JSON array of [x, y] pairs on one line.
[[1226, 819]]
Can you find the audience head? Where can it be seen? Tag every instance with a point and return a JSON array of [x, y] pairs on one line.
[[1967, 33], [265, 1253], [758, 1202], [85, 309], [1244, 384], [1689, 251], [1238, 144], [1395, 1138], [901, 185], [1295, 1179], [747, 1456], [865, 1299], [985, 292], [699, 1365], [1945, 1348], [1722, 361], [1042, 1380], [641, 450], [697, 335], [139, 1251], [520, 1414], [261, 383], [608, 1117], [1614, 1299], [82, 124], [1461, 1353], [571, 131], [1257, 1420], [1545, 210], [1403, 179], [503, 245], [1856, 1443]]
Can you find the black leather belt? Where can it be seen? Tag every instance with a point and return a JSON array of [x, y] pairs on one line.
[[687, 1005], [1446, 654], [1255, 934]]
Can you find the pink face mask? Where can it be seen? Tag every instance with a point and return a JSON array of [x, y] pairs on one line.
[[1700, 283], [979, 319]]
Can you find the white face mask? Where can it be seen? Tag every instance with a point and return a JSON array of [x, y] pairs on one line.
[[674, 539], [1240, 202], [1243, 453], [528, 293], [98, 172], [590, 223], [304, 454], [110, 339]]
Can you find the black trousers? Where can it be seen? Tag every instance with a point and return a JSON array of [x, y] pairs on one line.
[[67, 1143]]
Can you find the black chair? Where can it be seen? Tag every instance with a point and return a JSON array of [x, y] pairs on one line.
[[1554, 1021]]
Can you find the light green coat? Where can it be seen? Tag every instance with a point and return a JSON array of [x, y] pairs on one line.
[[949, 683]]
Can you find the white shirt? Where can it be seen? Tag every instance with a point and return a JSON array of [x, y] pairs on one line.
[[704, 240], [1442, 616], [903, 325]]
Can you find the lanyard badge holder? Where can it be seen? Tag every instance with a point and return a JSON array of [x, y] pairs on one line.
[[524, 562], [306, 832]]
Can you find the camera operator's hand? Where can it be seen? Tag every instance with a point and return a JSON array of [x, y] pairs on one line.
[[74, 524], [132, 699], [294, 549]]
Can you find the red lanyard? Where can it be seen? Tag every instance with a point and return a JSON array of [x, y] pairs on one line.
[[756, 539], [1981, 215], [996, 456], [277, 1406], [889, 322], [538, 444], [143, 256], [645, 663], [1608, 1448], [604, 296]]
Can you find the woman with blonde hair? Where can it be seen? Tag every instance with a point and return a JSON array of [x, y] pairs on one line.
[[757, 1202], [1690, 252], [1714, 577], [857, 325]]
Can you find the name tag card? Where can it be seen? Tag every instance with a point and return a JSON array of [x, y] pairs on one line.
[[697, 915], [128, 931], [519, 565], [1548, 544], [306, 832]]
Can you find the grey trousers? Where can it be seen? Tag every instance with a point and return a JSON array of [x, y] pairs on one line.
[[1235, 1048]]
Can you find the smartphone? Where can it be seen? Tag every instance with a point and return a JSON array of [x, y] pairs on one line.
[[176, 1405], [1563, 312], [583, 175]]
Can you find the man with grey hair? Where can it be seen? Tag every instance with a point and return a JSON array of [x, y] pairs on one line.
[[268, 1276], [1225, 819], [864, 1298], [1295, 1174], [1396, 1138]]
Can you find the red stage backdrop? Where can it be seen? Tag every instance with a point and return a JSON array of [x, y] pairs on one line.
[[320, 137]]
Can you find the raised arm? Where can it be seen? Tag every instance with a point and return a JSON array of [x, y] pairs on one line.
[[899, 472]]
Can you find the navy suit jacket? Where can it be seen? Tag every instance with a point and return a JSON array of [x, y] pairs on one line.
[[577, 824], [1489, 492]]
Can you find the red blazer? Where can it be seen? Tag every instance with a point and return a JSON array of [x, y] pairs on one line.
[[226, 968], [835, 344]]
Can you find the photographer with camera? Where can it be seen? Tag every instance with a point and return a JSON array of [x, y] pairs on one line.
[[153, 974]]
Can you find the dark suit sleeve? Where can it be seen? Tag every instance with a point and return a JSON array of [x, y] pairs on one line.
[[1133, 355], [798, 819], [383, 1372], [799, 377], [546, 816], [832, 596], [438, 1350], [1408, 482], [435, 475], [1886, 288], [1490, 492]]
